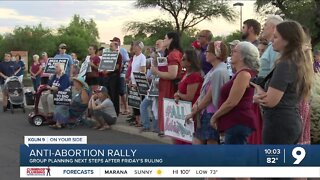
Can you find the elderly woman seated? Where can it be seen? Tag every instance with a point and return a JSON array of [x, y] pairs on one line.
[[80, 100], [59, 82]]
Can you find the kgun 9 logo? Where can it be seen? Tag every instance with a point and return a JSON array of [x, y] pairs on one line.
[[299, 154]]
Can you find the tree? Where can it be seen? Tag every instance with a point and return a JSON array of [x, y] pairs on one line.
[[154, 30], [79, 35], [128, 39], [34, 39], [306, 12], [188, 13]]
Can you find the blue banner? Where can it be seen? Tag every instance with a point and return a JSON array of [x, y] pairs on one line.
[[169, 155]]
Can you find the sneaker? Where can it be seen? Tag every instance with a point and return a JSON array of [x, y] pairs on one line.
[[5, 108], [144, 130], [161, 134]]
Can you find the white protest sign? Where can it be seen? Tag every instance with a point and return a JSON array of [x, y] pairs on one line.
[[50, 67], [174, 120]]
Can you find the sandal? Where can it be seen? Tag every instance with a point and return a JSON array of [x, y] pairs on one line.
[[97, 127], [138, 125], [104, 128], [126, 112], [56, 126]]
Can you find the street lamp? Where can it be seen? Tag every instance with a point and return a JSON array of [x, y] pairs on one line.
[[239, 4]]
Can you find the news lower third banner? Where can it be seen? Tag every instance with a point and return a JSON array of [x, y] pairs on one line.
[[71, 156]]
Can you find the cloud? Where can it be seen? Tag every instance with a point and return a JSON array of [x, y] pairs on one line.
[[111, 16], [12, 14]]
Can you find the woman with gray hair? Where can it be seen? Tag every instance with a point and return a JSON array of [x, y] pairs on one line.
[[35, 72], [235, 117]]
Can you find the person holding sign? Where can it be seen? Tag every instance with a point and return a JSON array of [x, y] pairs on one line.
[[92, 78], [63, 54], [190, 85], [59, 82], [44, 62], [103, 109], [112, 79], [168, 71], [139, 63], [207, 103]]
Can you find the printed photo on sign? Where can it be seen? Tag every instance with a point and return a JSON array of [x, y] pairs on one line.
[[134, 99], [50, 67], [108, 61], [83, 69], [162, 61], [174, 120], [62, 97], [154, 91], [142, 83]]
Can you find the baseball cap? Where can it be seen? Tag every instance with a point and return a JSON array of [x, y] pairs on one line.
[[116, 39], [234, 42], [102, 89], [62, 45], [196, 44], [44, 54]]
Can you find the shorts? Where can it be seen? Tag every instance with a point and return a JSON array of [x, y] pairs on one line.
[[238, 134], [106, 117], [3, 88], [123, 86], [206, 131]]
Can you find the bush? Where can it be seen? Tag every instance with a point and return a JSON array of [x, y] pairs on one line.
[[315, 111]]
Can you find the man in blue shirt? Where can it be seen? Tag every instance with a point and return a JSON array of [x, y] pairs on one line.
[[204, 37], [269, 56], [8, 68], [62, 54], [22, 67]]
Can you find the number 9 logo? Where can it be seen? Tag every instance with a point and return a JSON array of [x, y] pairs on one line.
[[298, 153]]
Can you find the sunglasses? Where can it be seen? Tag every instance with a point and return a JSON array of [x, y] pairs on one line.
[[63, 48]]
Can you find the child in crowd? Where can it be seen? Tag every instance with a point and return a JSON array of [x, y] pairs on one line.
[[103, 110]]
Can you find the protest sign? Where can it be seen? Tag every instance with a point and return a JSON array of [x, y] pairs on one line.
[[142, 82], [108, 61], [134, 99], [154, 91], [50, 67], [162, 61], [62, 97], [174, 120], [83, 69]]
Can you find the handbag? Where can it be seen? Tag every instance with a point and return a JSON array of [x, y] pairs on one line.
[[262, 81]]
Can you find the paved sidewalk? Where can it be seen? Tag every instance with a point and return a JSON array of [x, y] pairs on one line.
[[123, 126]]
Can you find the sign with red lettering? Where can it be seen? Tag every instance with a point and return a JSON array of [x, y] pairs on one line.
[[174, 120]]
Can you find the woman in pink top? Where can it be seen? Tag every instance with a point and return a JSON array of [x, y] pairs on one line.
[[235, 116], [35, 72], [207, 103]]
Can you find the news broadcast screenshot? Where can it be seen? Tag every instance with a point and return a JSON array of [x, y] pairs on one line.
[[160, 89]]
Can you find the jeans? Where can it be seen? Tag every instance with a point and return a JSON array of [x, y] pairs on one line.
[[237, 134], [36, 83], [144, 114]]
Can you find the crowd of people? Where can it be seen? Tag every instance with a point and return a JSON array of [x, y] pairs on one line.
[[255, 90]]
